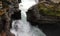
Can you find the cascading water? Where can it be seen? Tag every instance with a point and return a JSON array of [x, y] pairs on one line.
[[22, 27]]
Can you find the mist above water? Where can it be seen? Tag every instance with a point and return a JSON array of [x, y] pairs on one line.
[[22, 27]]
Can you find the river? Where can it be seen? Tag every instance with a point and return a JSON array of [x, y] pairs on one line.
[[22, 27]]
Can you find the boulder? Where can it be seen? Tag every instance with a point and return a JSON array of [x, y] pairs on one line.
[[35, 15]]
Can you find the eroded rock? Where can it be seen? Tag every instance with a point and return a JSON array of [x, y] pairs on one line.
[[7, 8], [39, 17]]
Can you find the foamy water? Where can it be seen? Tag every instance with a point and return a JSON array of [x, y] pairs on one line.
[[22, 27]]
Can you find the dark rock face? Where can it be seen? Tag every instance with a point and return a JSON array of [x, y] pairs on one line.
[[41, 19], [50, 29], [36, 16], [33, 14], [10, 10], [50, 25], [19, 1], [16, 15]]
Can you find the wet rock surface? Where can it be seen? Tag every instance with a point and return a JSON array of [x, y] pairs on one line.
[[9, 7], [50, 29], [37, 16], [16, 15], [50, 25], [43, 18]]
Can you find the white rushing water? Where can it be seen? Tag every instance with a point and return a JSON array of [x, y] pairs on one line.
[[22, 27]]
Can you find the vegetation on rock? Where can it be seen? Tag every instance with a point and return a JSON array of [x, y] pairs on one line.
[[52, 9]]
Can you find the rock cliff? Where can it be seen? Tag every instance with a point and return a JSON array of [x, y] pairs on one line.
[[7, 9], [44, 13]]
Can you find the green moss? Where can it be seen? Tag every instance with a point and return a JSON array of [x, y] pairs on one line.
[[49, 9]]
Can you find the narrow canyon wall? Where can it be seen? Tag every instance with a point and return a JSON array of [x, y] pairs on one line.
[[7, 9], [40, 17]]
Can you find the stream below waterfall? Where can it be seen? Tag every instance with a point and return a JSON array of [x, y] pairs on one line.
[[22, 27]]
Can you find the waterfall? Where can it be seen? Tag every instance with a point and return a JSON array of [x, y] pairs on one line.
[[22, 27]]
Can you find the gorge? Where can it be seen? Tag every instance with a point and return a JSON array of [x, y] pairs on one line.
[[22, 27]]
